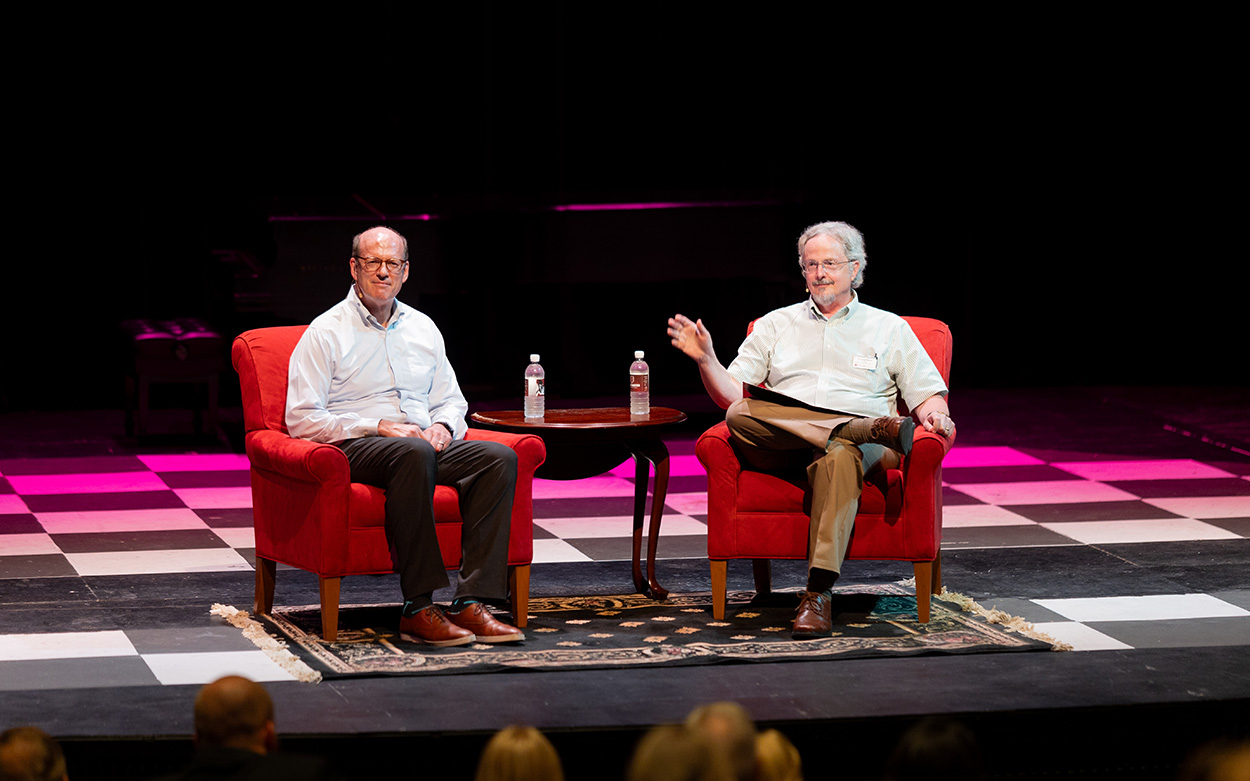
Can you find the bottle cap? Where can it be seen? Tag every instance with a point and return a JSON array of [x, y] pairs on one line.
[[638, 354], [533, 357]]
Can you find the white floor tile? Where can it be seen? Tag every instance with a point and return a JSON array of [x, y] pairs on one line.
[[215, 498], [12, 504], [96, 483], [677, 465], [1044, 492], [65, 645], [967, 515], [120, 520], [1177, 469], [237, 536], [27, 545], [604, 485], [157, 561], [1205, 506], [1154, 607], [618, 526], [201, 668], [1153, 530], [687, 504], [554, 551], [1079, 636]]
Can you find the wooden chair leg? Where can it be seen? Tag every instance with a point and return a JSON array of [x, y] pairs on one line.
[[720, 572], [330, 608], [924, 589], [519, 588], [266, 570], [763, 571]]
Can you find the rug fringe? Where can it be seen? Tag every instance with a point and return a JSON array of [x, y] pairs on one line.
[[274, 648], [994, 616]]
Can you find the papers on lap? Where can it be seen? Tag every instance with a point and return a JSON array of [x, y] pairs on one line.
[[767, 394]]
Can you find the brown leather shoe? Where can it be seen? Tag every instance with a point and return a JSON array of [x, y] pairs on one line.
[[477, 619], [894, 433], [430, 626], [815, 618]]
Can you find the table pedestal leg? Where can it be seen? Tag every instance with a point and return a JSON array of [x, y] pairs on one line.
[[646, 454]]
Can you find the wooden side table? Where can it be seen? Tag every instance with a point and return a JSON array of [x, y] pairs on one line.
[[587, 442]]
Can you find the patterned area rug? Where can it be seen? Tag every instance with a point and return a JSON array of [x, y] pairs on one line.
[[566, 633]]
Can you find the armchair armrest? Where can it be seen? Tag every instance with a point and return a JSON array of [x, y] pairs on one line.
[[716, 453], [298, 459], [927, 451], [530, 449]]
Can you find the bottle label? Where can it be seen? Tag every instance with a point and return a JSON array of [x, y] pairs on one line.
[[533, 386], [639, 383]]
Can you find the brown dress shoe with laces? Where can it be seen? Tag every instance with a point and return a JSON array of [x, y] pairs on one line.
[[815, 618], [894, 433], [476, 618], [430, 626]]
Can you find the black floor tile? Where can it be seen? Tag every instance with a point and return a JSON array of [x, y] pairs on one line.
[[227, 518], [223, 478], [19, 523], [163, 539], [1090, 511], [50, 565], [121, 500], [1001, 537], [101, 672], [1178, 633]]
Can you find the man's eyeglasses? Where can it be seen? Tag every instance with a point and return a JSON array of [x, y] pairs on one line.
[[827, 265], [373, 264]]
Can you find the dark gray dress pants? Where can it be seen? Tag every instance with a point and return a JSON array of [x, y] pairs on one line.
[[408, 468]]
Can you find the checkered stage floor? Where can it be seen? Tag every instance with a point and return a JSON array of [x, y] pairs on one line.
[[79, 526]]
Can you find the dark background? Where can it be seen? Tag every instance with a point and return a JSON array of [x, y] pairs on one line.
[[1061, 192]]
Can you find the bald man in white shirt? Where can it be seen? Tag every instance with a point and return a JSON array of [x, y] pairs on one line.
[[371, 376], [844, 362]]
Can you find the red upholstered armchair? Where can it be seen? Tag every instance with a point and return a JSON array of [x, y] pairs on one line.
[[309, 514], [753, 515]]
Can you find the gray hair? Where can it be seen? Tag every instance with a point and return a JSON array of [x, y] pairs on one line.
[[360, 236], [852, 244]]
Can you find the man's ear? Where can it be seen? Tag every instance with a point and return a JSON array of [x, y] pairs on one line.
[[271, 737]]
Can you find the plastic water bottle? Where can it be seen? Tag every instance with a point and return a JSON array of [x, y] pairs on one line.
[[534, 392], [639, 386]]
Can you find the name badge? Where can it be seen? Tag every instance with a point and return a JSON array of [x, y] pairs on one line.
[[862, 362]]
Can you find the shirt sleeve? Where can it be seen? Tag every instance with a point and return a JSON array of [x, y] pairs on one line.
[[308, 392], [754, 359], [447, 403], [914, 372]]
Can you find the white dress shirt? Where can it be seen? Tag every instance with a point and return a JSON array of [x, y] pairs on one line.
[[856, 361], [348, 372]]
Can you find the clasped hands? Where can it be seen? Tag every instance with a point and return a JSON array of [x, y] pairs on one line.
[[437, 435]]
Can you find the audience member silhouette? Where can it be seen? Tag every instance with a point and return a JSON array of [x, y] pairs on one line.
[[728, 726], [235, 737], [776, 758], [1218, 760], [30, 754], [519, 754], [935, 750], [678, 753]]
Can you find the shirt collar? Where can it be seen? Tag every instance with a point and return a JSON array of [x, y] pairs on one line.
[[845, 313], [397, 311]]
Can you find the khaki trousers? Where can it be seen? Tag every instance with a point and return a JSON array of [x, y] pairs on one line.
[[779, 439]]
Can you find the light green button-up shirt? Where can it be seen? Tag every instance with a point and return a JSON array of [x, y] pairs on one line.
[[858, 361]]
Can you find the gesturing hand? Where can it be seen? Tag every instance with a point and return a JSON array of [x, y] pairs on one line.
[[690, 337]]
